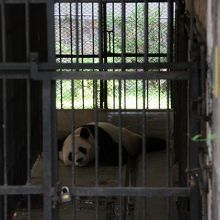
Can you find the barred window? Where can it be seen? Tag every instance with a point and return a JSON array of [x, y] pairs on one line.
[[112, 33]]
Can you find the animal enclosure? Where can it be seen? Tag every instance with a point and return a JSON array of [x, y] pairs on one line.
[[123, 62]]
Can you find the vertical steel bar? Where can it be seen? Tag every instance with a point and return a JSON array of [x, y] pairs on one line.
[[146, 41], [50, 31], [120, 150], [71, 31], [100, 32], [123, 42], [96, 136], [60, 53], [93, 33], [4, 98], [81, 30], [96, 149], [159, 43], [72, 103], [169, 151], [169, 59], [123, 31], [144, 164], [28, 91], [28, 144], [136, 50], [5, 207], [147, 94], [73, 175], [77, 30], [82, 50], [3, 30], [113, 51], [101, 48], [54, 152], [194, 122], [105, 51], [125, 93], [144, 135], [73, 182], [49, 96], [47, 166], [27, 25], [170, 32], [93, 48], [146, 48]]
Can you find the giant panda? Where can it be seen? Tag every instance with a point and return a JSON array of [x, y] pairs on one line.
[[108, 144]]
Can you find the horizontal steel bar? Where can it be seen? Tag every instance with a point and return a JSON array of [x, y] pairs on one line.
[[48, 70], [18, 190], [104, 75], [107, 1], [110, 55], [132, 191], [52, 66], [102, 191], [14, 66], [14, 75], [24, 1]]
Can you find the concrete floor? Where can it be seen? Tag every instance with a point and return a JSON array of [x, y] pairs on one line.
[[155, 209]]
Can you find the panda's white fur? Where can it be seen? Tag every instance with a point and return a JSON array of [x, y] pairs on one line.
[[129, 140]]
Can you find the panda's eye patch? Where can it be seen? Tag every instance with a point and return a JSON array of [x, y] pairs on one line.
[[82, 150]]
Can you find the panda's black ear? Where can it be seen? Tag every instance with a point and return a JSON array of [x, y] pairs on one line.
[[84, 133]]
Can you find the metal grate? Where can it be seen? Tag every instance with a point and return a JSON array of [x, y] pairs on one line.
[[122, 38]]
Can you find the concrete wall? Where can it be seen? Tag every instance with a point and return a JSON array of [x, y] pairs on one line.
[[156, 122], [213, 43]]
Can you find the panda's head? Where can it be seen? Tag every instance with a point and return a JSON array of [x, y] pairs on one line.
[[84, 148]]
